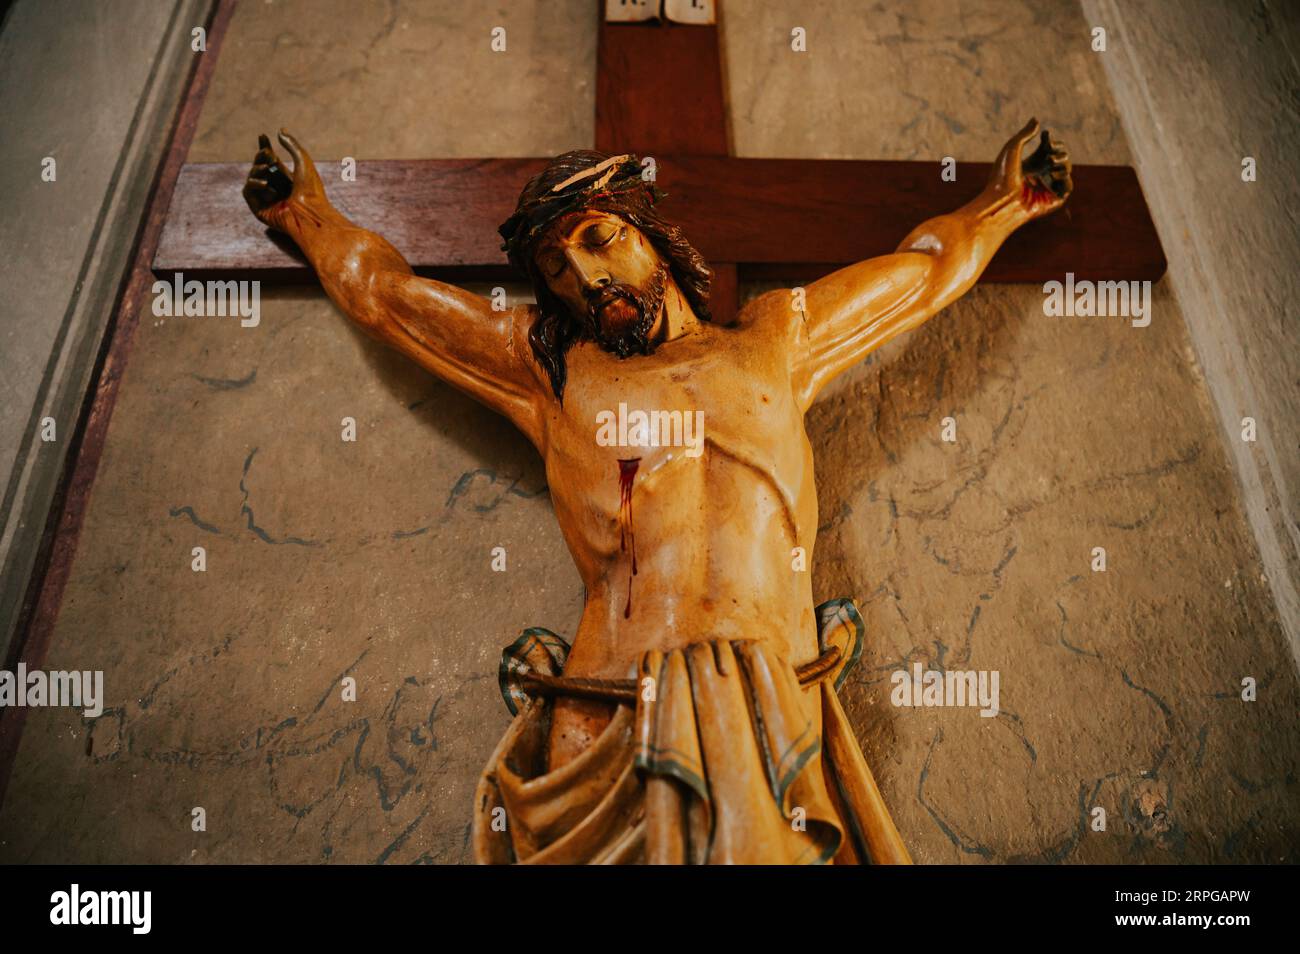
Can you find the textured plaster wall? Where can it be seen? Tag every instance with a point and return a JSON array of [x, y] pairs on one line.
[[1206, 88]]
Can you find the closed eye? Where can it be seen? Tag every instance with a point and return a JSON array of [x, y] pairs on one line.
[[601, 234]]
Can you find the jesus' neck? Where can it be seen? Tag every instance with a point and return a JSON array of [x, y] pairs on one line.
[[676, 318]]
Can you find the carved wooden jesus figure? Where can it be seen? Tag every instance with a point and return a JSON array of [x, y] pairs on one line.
[[695, 717]]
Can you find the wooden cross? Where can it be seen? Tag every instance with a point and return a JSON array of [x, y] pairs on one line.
[[659, 93]]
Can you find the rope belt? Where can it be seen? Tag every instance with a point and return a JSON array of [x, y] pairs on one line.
[[625, 690]]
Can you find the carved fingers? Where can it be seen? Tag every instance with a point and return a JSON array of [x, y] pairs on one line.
[[269, 182], [1041, 182], [1050, 165]]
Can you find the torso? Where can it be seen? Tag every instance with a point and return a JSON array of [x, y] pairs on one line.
[[714, 534]]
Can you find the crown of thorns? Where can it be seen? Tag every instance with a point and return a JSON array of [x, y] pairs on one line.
[[609, 183]]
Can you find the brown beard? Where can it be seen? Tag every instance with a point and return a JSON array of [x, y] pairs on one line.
[[628, 314]]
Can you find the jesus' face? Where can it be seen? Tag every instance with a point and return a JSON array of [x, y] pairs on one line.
[[609, 275]]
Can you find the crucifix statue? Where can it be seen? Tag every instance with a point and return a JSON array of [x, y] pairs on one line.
[[694, 718]]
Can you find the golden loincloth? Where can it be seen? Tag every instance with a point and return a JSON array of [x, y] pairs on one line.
[[724, 758]]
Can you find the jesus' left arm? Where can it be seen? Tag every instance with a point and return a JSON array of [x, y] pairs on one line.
[[851, 312]]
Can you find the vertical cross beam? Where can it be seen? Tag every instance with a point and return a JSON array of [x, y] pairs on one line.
[[659, 92]]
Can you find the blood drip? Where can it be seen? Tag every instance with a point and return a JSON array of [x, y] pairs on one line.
[[626, 532], [1033, 194]]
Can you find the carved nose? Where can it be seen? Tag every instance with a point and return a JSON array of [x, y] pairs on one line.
[[592, 276]]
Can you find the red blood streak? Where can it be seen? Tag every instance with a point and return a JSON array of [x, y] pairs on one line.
[[626, 532], [1034, 194]]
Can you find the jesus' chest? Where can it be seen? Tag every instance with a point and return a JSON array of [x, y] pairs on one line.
[[672, 423]]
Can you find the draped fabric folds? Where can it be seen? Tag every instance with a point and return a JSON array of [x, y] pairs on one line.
[[724, 759]]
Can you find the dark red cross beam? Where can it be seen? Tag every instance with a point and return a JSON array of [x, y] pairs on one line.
[[659, 92]]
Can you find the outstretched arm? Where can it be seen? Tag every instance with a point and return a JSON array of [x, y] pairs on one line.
[[855, 310], [448, 331]]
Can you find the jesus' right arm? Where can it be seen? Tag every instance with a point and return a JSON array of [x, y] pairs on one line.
[[450, 332]]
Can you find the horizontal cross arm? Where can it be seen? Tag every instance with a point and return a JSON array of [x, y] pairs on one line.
[[776, 219]]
